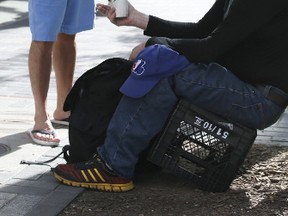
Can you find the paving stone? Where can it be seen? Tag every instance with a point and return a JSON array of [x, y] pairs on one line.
[[32, 172], [5, 198], [47, 182], [54, 202], [20, 205], [29, 190]]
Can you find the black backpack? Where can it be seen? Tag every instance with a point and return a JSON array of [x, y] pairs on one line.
[[92, 102]]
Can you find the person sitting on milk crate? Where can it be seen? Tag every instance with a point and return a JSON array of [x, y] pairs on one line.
[[232, 62]]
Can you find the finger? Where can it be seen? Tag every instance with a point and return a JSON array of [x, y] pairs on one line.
[[104, 9], [111, 14]]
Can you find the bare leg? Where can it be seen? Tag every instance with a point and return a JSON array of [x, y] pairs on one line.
[[40, 70], [64, 57]]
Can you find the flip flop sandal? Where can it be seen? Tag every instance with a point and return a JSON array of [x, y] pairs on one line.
[[61, 122], [43, 142]]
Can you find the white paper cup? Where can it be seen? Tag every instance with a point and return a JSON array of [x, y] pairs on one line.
[[121, 7]]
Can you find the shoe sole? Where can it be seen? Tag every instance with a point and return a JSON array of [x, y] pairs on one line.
[[64, 122], [98, 186]]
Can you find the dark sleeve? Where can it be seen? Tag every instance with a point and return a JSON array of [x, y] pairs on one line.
[[158, 27], [244, 18]]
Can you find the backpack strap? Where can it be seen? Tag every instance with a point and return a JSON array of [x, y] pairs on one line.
[[64, 151]]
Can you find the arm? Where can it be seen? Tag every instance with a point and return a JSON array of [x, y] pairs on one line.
[[164, 28], [154, 26], [245, 18], [141, 20]]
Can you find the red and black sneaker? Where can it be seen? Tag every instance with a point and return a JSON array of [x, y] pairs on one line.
[[92, 174]]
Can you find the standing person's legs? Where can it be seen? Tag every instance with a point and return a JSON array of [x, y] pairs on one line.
[[45, 19], [79, 16], [64, 57], [39, 70]]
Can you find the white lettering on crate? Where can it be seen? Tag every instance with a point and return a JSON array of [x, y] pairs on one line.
[[201, 123]]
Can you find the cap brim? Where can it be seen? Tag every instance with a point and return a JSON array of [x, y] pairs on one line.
[[136, 88]]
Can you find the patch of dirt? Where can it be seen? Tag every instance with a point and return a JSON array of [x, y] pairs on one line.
[[261, 190]]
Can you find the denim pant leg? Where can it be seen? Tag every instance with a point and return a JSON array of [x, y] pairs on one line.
[[216, 89], [211, 87], [133, 125]]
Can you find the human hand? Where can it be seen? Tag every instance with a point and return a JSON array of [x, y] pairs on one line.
[[134, 18], [110, 13]]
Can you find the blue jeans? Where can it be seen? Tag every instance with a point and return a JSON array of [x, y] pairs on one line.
[[208, 86]]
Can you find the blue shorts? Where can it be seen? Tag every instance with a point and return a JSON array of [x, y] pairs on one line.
[[47, 18]]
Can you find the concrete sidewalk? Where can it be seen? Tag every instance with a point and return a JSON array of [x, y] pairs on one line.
[[31, 190]]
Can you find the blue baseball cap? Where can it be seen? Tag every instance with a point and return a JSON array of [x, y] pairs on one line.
[[152, 64]]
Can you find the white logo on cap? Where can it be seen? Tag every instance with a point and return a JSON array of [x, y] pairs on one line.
[[138, 67]]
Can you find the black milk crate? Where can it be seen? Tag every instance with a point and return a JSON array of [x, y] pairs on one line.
[[203, 147]]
